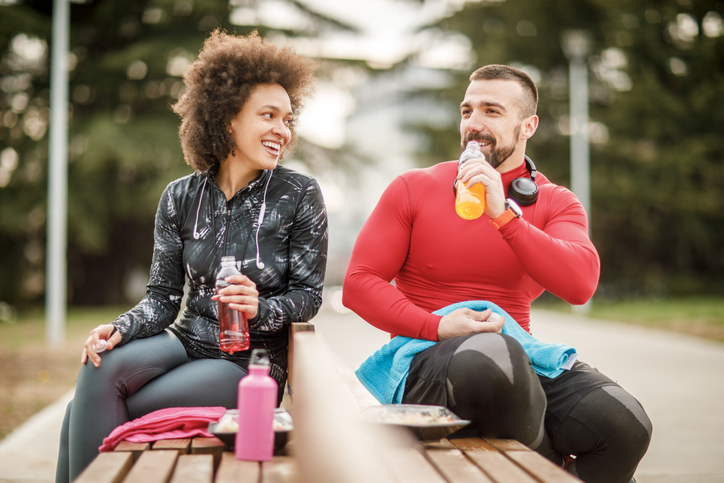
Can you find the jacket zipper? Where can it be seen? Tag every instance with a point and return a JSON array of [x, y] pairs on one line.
[[228, 226]]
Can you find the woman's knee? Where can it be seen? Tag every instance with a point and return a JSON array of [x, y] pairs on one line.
[[130, 366]]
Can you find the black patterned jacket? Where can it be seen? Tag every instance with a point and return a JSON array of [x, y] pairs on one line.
[[196, 226]]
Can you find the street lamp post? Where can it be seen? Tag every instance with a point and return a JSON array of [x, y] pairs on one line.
[[56, 256], [577, 46]]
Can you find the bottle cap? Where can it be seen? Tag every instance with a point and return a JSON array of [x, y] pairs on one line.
[[101, 346], [259, 357]]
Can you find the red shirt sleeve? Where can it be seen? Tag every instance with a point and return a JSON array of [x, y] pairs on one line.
[[367, 288], [560, 257]]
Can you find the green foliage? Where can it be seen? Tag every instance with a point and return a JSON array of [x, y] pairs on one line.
[[700, 316], [123, 137], [657, 103], [656, 87]]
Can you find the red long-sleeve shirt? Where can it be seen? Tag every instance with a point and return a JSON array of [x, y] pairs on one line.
[[436, 258]]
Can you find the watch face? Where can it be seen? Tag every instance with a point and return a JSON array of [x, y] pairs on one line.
[[512, 205]]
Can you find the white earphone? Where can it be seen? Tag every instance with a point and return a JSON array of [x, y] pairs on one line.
[[259, 264]]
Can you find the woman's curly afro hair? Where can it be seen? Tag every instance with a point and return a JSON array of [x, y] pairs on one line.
[[221, 80]]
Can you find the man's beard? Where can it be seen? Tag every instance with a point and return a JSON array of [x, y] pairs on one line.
[[497, 154]]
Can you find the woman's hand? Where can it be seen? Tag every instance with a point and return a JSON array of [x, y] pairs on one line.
[[466, 321], [241, 294], [92, 344]]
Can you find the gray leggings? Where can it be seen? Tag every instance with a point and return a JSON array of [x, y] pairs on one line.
[[133, 380]]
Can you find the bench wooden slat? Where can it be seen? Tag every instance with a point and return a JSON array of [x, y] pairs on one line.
[[194, 468], [282, 469], [442, 444], [181, 445], [134, 448], [506, 445], [542, 468], [213, 446], [499, 468], [454, 466], [468, 444], [201, 445], [153, 467], [232, 470], [107, 468], [410, 465]]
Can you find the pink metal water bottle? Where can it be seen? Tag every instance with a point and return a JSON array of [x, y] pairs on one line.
[[257, 402]]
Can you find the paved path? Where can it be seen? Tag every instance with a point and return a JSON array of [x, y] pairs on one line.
[[678, 379]]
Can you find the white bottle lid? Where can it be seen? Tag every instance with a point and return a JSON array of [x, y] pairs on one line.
[[101, 346]]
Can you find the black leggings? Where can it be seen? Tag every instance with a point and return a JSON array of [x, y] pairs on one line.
[[487, 378], [609, 432], [133, 380]]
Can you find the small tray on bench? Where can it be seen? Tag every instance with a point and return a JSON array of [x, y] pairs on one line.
[[225, 428], [429, 423]]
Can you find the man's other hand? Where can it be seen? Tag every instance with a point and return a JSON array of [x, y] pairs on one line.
[[467, 321]]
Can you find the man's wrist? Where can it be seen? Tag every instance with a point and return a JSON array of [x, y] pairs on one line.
[[512, 211]]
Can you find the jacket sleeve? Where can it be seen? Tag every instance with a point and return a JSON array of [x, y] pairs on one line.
[[560, 257], [307, 267], [159, 308]]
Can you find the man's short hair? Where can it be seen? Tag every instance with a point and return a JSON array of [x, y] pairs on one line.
[[504, 72]]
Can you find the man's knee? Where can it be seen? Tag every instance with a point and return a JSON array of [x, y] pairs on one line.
[[630, 425], [619, 430], [494, 363], [490, 382]]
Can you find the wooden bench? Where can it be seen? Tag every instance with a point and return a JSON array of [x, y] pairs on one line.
[[473, 460], [294, 328], [333, 445], [329, 444]]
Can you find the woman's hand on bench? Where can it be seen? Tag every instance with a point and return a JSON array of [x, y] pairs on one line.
[[93, 345]]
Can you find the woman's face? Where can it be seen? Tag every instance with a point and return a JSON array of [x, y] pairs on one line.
[[261, 128]]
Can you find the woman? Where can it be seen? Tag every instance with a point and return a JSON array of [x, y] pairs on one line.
[[238, 118]]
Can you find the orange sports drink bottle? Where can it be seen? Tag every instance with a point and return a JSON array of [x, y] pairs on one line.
[[469, 200]]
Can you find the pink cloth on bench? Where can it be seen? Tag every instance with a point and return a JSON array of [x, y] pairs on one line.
[[169, 423]]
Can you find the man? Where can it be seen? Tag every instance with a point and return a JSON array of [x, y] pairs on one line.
[[581, 419]]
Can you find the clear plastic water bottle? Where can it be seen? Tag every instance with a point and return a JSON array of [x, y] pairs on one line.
[[257, 402], [469, 200], [233, 325]]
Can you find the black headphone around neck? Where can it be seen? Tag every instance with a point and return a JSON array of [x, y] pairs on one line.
[[524, 190]]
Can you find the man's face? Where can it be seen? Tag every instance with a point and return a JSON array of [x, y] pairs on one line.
[[491, 113]]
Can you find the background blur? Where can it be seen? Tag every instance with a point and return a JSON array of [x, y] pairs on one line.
[[391, 75]]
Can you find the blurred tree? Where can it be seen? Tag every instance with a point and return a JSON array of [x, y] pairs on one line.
[[126, 64], [656, 114], [656, 92]]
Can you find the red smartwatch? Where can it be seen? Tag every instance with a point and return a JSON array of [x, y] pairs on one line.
[[512, 210]]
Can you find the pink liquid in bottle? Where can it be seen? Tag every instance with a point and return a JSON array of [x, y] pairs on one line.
[[257, 402], [233, 325]]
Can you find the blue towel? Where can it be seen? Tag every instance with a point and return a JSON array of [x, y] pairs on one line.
[[384, 373]]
